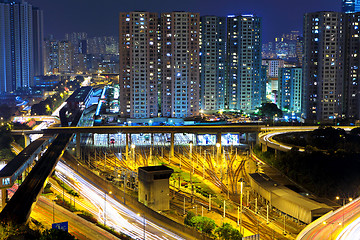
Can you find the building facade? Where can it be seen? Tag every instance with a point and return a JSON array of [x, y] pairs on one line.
[[323, 65], [273, 66], [350, 6], [16, 45], [244, 80], [250, 83], [213, 63], [290, 89], [331, 65], [180, 60], [38, 41], [65, 56], [138, 48], [352, 66]]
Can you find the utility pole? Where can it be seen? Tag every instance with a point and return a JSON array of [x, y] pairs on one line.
[[241, 197], [224, 210], [256, 207], [184, 206], [209, 202], [238, 215]]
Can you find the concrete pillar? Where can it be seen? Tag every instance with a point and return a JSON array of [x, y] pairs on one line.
[[218, 148], [263, 147], [218, 138], [77, 147], [3, 197], [127, 146], [151, 146], [246, 138], [23, 175], [27, 140], [172, 145], [195, 140], [257, 137], [93, 138]]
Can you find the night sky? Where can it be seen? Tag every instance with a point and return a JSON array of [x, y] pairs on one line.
[[100, 18]]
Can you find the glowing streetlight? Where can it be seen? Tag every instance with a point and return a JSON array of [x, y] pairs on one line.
[[144, 223], [105, 208], [133, 152], [217, 153], [191, 171]]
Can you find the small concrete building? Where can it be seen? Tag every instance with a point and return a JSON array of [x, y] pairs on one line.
[[154, 187]]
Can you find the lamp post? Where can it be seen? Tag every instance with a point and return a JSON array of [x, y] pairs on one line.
[[53, 202], [343, 206], [144, 218], [105, 208], [217, 153], [133, 153], [191, 172], [241, 197]]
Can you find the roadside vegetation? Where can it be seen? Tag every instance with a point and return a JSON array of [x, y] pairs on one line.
[[35, 232], [207, 226]]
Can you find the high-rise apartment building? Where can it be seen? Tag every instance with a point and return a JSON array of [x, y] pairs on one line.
[[180, 61], [324, 38], [138, 77], [65, 55], [350, 6], [213, 63], [331, 65], [51, 56], [300, 50], [16, 45], [78, 41], [352, 66], [290, 89], [244, 63], [38, 41], [273, 66]]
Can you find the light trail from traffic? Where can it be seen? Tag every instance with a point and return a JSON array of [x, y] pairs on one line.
[[333, 224], [117, 216], [352, 231]]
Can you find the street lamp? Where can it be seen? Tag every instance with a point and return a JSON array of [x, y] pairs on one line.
[[191, 171], [343, 206], [241, 203], [133, 152], [105, 208], [144, 223], [217, 153]]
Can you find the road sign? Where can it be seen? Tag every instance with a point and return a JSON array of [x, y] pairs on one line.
[[61, 225], [252, 237]]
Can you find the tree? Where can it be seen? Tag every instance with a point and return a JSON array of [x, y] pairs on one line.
[[224, 231], [5, 137], [269, 110], [227, 232], [74, 194], [236, 235], [5, 112], [56, 234], [204, 224], [189, 216]]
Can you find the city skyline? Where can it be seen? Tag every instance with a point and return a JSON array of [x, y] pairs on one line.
[[69, 16]]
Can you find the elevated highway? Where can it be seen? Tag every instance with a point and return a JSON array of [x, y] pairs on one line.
[[267, 133]]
